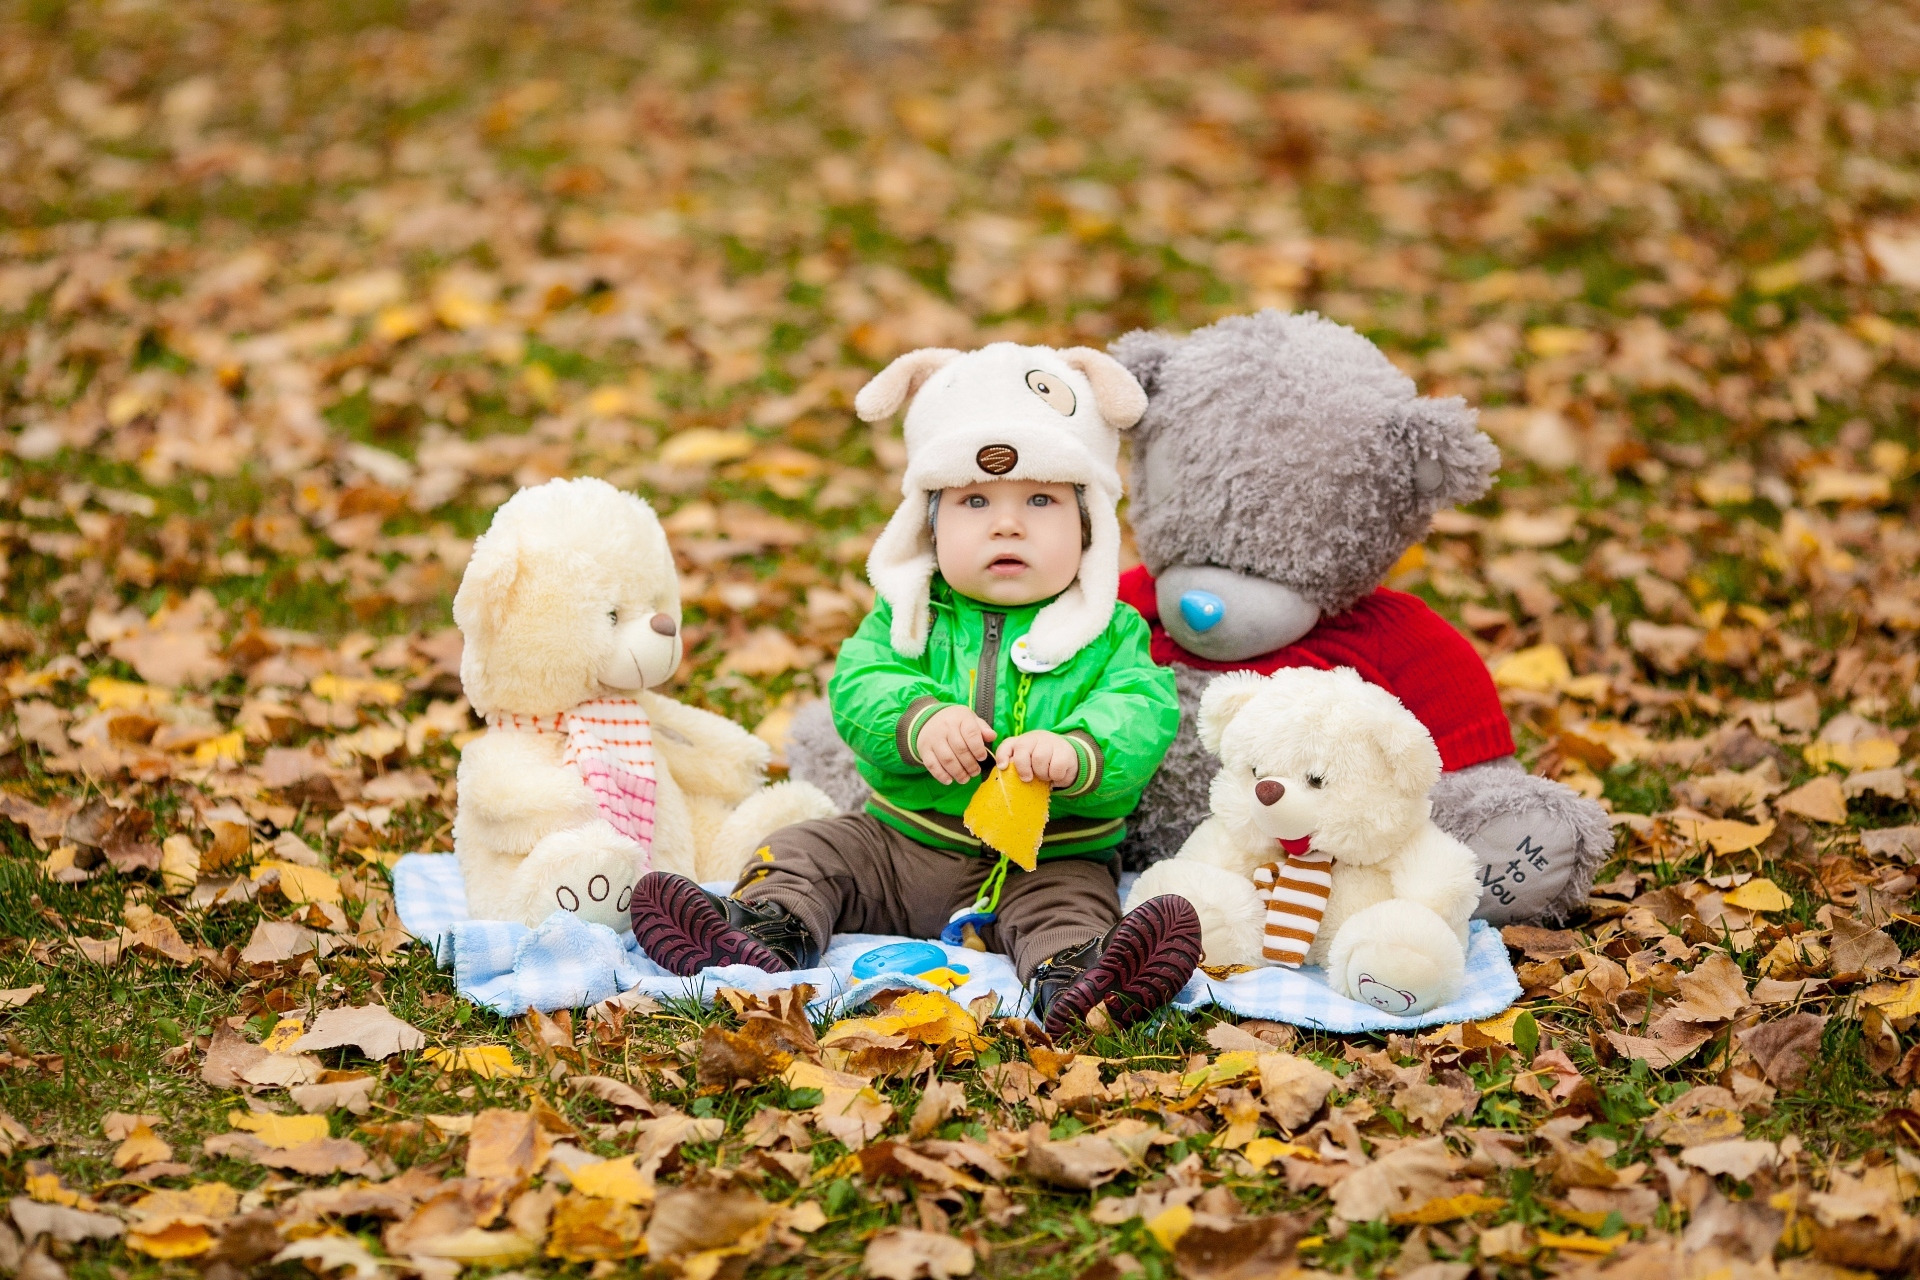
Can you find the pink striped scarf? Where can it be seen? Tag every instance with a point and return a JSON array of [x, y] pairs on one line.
[[610, 741], [1295, 891]]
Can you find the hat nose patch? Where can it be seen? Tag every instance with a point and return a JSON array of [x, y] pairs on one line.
[[997, 459], [1202, 609]]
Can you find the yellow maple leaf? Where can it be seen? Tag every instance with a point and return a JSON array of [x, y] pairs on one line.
[[301, 884], [279, 1132], [142, 1146], [613, 1180], [927, 1017], [358, 691], [1009, 815], [116, 695], [284, 1033], [1869, 753], [1500, 1028], [1167, 1226], [488, 1061], [1231, 1065], [1895, 1000], [704, 445], [174, 1240], [1262, 1152], [1725, 835], [1758, 894], [1538, 669], [227, 746], [1601, 1245], [1450, 1209], [46, 1188]]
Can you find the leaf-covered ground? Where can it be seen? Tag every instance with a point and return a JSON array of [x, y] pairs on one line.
[[292, 295]]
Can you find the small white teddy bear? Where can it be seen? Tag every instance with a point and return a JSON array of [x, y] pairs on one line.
[[584, 780], [1321, 848]]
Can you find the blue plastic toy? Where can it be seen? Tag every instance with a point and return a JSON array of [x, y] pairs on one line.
[[913, 959]]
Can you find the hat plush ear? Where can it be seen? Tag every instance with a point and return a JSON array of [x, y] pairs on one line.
[[1453, 460], [888, 390], [1142, 353], [1117, 394], [1224, 699]]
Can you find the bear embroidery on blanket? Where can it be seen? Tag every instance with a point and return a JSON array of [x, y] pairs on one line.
[[1295, 891], [610, 741]]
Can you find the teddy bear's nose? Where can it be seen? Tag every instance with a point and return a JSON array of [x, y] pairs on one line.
[[1267, 791], [663, 623]]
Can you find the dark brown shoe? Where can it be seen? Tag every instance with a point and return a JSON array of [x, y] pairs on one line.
[[1137, 968]]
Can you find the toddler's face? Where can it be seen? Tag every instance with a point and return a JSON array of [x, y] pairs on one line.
[[1009, 542]]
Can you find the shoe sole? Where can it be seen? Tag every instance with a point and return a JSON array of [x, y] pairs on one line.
[[1151, 957], [681, 930]]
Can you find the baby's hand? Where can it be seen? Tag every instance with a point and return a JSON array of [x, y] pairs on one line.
[[1043, 755], [953, 742]]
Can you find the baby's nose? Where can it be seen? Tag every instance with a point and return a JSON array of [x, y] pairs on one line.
[[1268, 791], [663, 623], [1202, 609]]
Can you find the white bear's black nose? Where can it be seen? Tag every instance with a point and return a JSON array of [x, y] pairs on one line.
[[1267, 791], [663, 623]]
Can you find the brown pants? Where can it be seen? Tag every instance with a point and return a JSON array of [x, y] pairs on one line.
[[855, 874]]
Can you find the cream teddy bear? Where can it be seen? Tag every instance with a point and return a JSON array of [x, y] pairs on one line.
[[1321, 847], [584, 780]]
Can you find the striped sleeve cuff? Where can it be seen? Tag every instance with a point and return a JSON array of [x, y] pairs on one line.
[[906, 730], [1092, 763]]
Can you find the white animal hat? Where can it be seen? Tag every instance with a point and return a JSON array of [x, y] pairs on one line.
[[1005, 412]]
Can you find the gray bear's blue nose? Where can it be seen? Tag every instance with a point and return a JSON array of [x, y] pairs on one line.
[[1202, 609]]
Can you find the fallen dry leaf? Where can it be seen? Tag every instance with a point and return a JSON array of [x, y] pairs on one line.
[[901, 1253]]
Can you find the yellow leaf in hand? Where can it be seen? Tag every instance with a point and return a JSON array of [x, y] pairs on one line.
[[1009, 815]]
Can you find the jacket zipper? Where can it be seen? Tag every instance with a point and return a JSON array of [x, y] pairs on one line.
[[989, 671]]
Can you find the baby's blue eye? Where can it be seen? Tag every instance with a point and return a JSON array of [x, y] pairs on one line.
[[976, 501], [1040, 500]]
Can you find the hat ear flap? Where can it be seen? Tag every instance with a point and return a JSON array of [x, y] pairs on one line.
[[1224, 699], [1117, 394], [890, 389]]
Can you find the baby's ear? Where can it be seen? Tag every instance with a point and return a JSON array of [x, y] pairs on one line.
[[1453, 460], [486, 588], [1143, 352], [1117, 394], [1224, 699], [894, 385]]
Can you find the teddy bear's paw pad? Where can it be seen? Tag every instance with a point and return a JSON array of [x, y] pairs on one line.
[[1526, 861], [597, 898]]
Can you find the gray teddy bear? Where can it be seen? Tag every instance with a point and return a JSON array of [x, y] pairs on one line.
[[1284, 464]]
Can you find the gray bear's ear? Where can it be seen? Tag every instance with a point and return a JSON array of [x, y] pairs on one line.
[[1453, 460], [1143, 352], [1224, 699]]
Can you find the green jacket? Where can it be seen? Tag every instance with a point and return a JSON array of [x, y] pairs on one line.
[[1110, 700]]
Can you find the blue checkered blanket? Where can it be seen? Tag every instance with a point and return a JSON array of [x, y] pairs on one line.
[[566, 963]]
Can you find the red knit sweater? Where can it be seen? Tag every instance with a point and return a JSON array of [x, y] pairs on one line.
[[1393, 640]]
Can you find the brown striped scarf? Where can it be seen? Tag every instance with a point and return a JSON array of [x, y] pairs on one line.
[[1295, 890]]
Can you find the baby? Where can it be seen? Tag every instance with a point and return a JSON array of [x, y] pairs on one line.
[[996, 640]]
